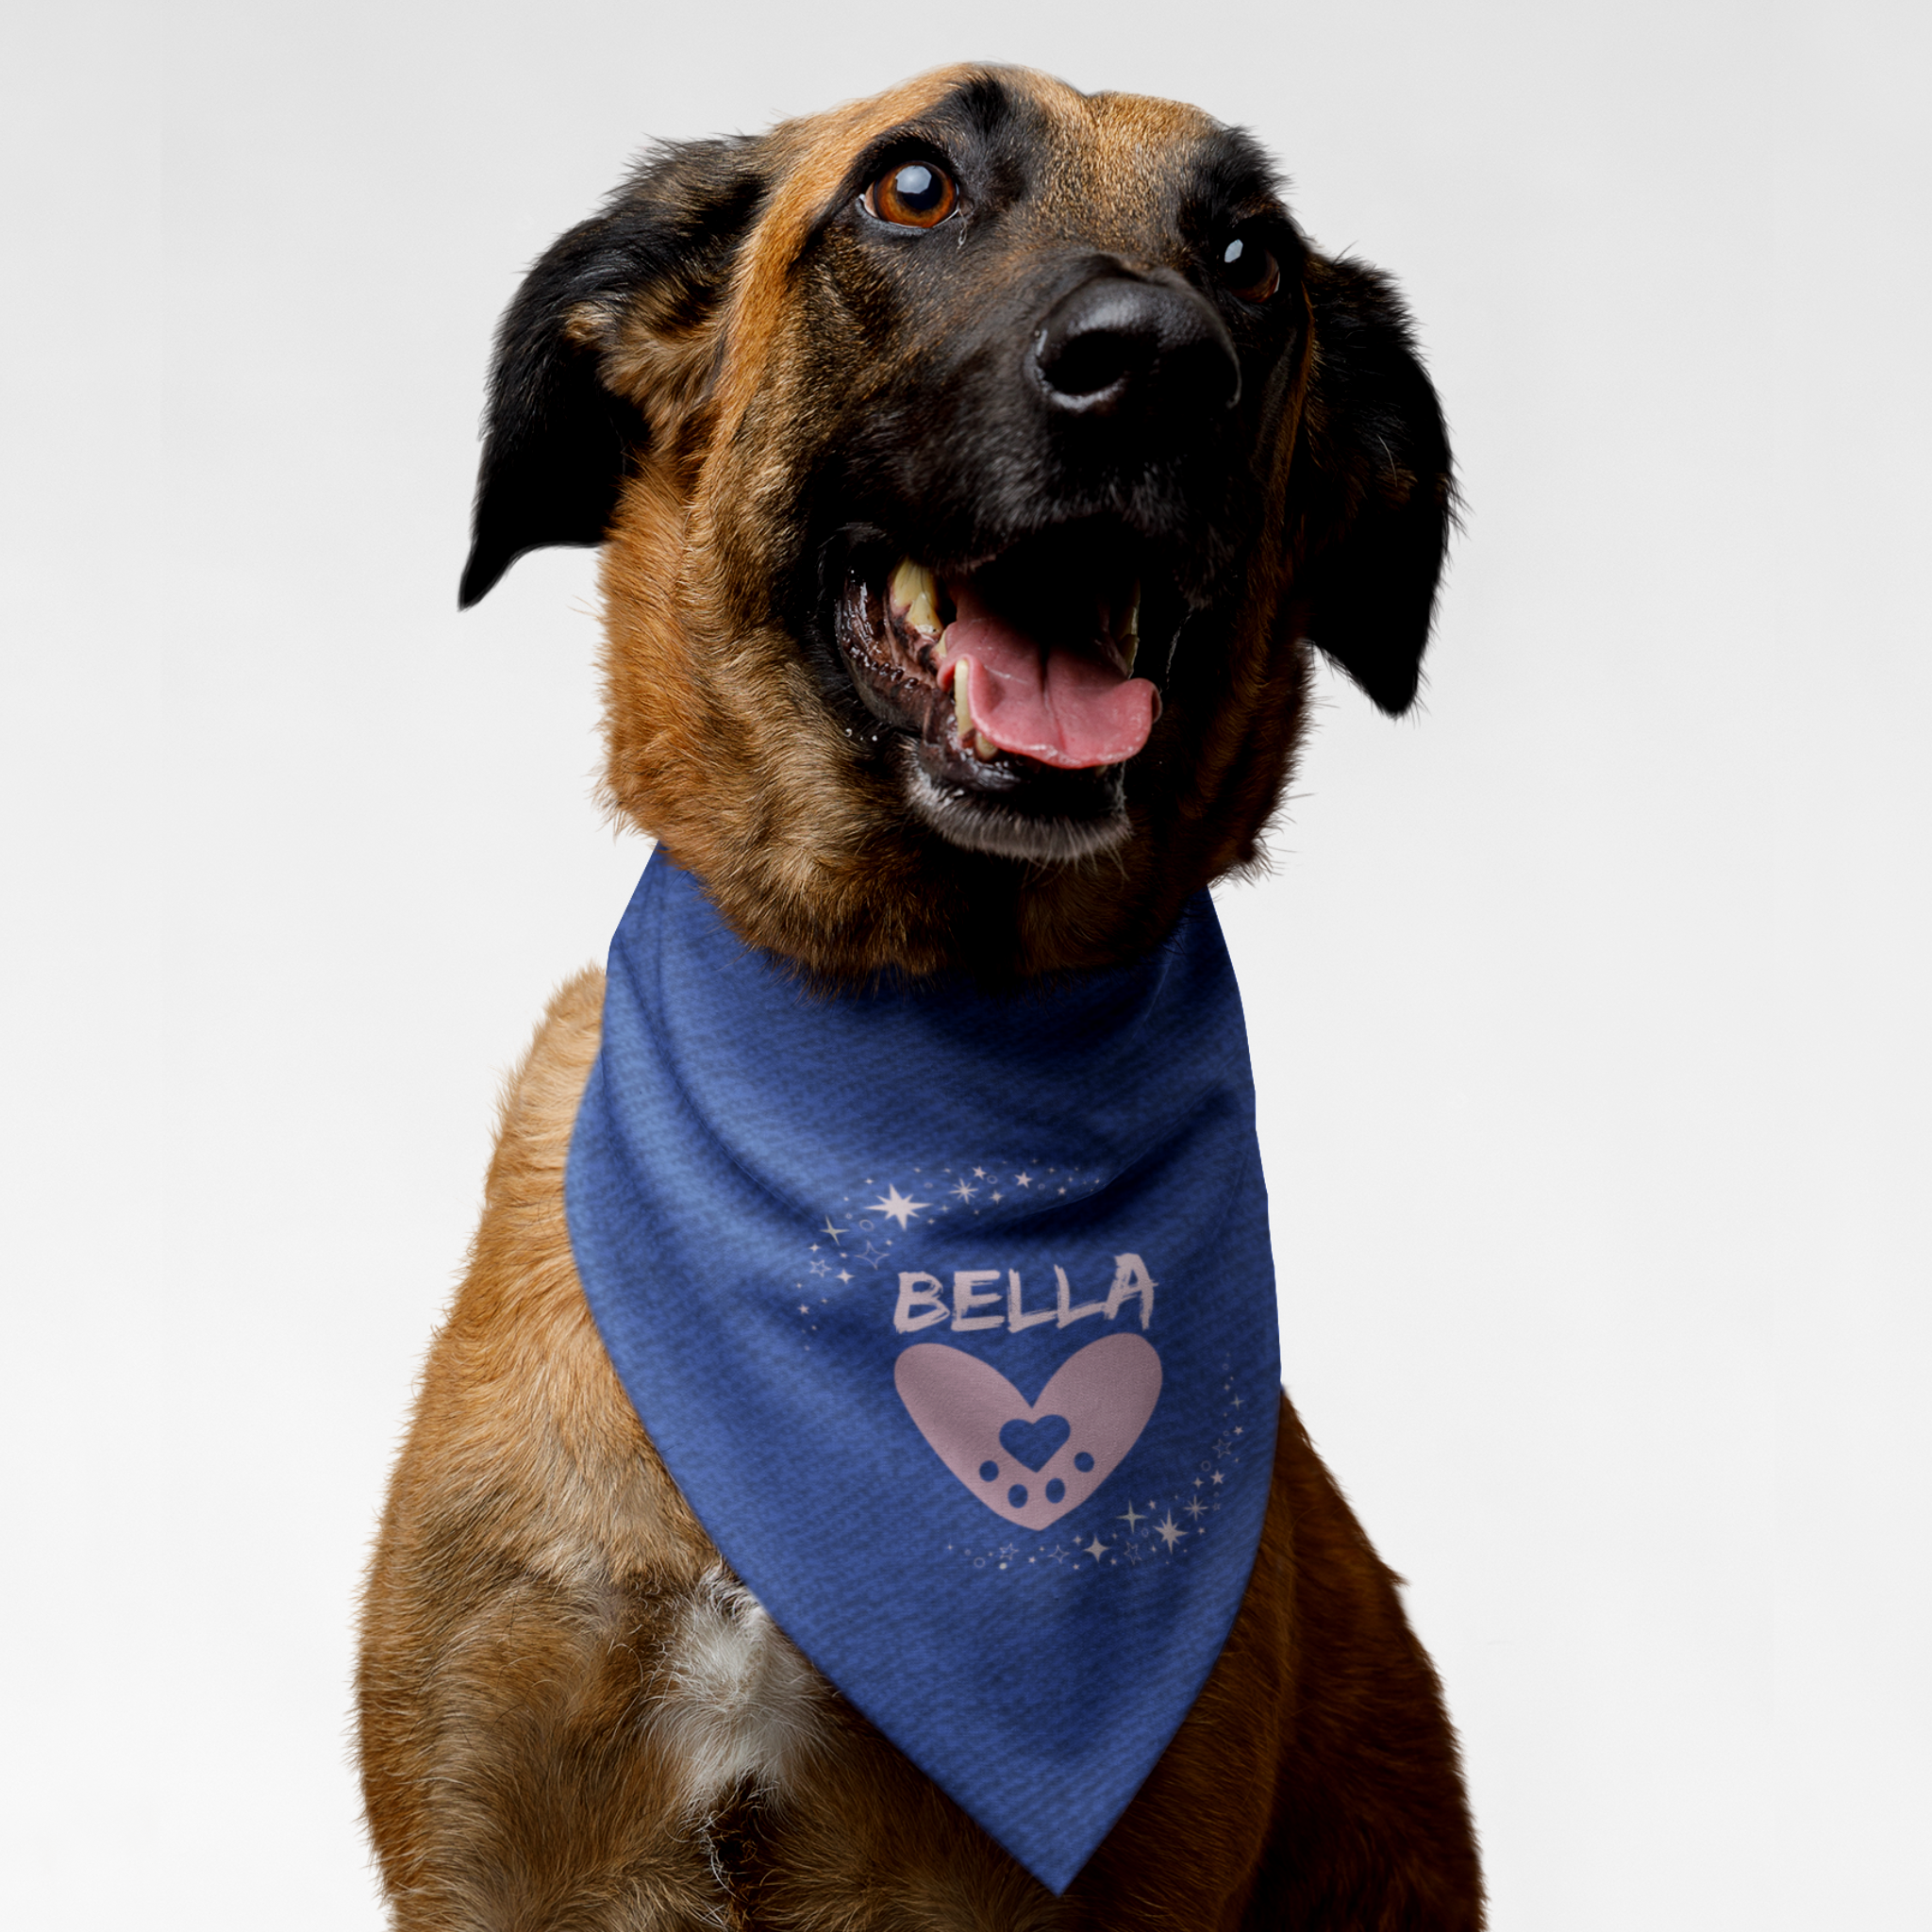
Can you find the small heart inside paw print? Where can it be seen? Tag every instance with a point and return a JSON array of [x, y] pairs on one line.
[[1034, 1443]]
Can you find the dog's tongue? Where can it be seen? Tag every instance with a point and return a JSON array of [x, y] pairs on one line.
[[1059, 707]]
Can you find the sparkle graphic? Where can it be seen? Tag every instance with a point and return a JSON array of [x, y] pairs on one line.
[[897, 1206], [834, 1232], [1097, 1549], [1168, 1530], [1196, 1509], [965, 1190], [845, 1274], [874, 1255], [997, 1195], [1132, 1517]]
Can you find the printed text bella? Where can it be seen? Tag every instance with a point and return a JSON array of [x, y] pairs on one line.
[[922, 1299]]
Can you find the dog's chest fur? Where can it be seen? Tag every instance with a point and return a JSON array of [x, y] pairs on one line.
[[735, 1706]]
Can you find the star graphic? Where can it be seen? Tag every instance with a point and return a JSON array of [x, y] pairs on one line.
[[834, 1232], [1022, 1180], [979, 1173], [1061, 1190], [844, 1274], [804, 1307], [965, 1191], [897, 1206], [1097, 1549], [1132, 1517], [1215, 1478], [821, 1266], [1168, 1530]]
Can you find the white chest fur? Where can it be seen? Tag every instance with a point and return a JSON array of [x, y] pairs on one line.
[[735, 1703]]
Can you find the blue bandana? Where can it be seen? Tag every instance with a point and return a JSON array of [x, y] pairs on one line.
[[953, 1316]]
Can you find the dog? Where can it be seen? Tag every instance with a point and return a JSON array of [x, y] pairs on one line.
[[981, 345]]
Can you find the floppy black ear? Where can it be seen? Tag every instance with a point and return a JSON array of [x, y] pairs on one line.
[[1380, 494], [558, 438]]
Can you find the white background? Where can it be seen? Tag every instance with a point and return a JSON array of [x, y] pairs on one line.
[[1588, 1004]]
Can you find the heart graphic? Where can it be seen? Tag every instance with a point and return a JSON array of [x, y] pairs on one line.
[[1034, 1443], [987, 1433]]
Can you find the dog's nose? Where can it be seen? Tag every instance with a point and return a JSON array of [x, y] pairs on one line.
[[1119, 345]]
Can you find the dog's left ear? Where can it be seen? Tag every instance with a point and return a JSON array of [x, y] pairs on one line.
[[1375, 497], [606, 330]]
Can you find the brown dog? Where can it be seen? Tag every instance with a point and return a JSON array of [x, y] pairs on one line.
[[988, 344]]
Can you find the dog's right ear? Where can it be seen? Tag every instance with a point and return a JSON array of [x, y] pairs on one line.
[[568, 413], [1377, 493]]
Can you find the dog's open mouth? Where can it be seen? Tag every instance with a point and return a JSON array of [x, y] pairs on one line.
[[1012, 686]]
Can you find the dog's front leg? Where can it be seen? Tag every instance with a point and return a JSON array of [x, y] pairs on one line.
[[537, 1585]]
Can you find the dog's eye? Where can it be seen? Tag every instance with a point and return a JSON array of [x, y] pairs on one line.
[[915, 194], [1249, 268]]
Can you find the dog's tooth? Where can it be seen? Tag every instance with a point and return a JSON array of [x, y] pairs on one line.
[[962, 704], [1130, 635], [983, 748], [915, 591]]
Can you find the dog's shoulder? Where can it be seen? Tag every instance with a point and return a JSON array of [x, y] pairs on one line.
[[540, 1098], [541, 1587], [522, 1434]]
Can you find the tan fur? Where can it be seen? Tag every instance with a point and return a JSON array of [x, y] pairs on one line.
[[572, 1715]]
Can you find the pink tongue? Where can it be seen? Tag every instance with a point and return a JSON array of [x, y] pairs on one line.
[[1060, 707]]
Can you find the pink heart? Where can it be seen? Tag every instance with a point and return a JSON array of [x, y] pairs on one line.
[[1105, 1391]]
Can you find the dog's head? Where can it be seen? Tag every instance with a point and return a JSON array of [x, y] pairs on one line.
[[974, 466]]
